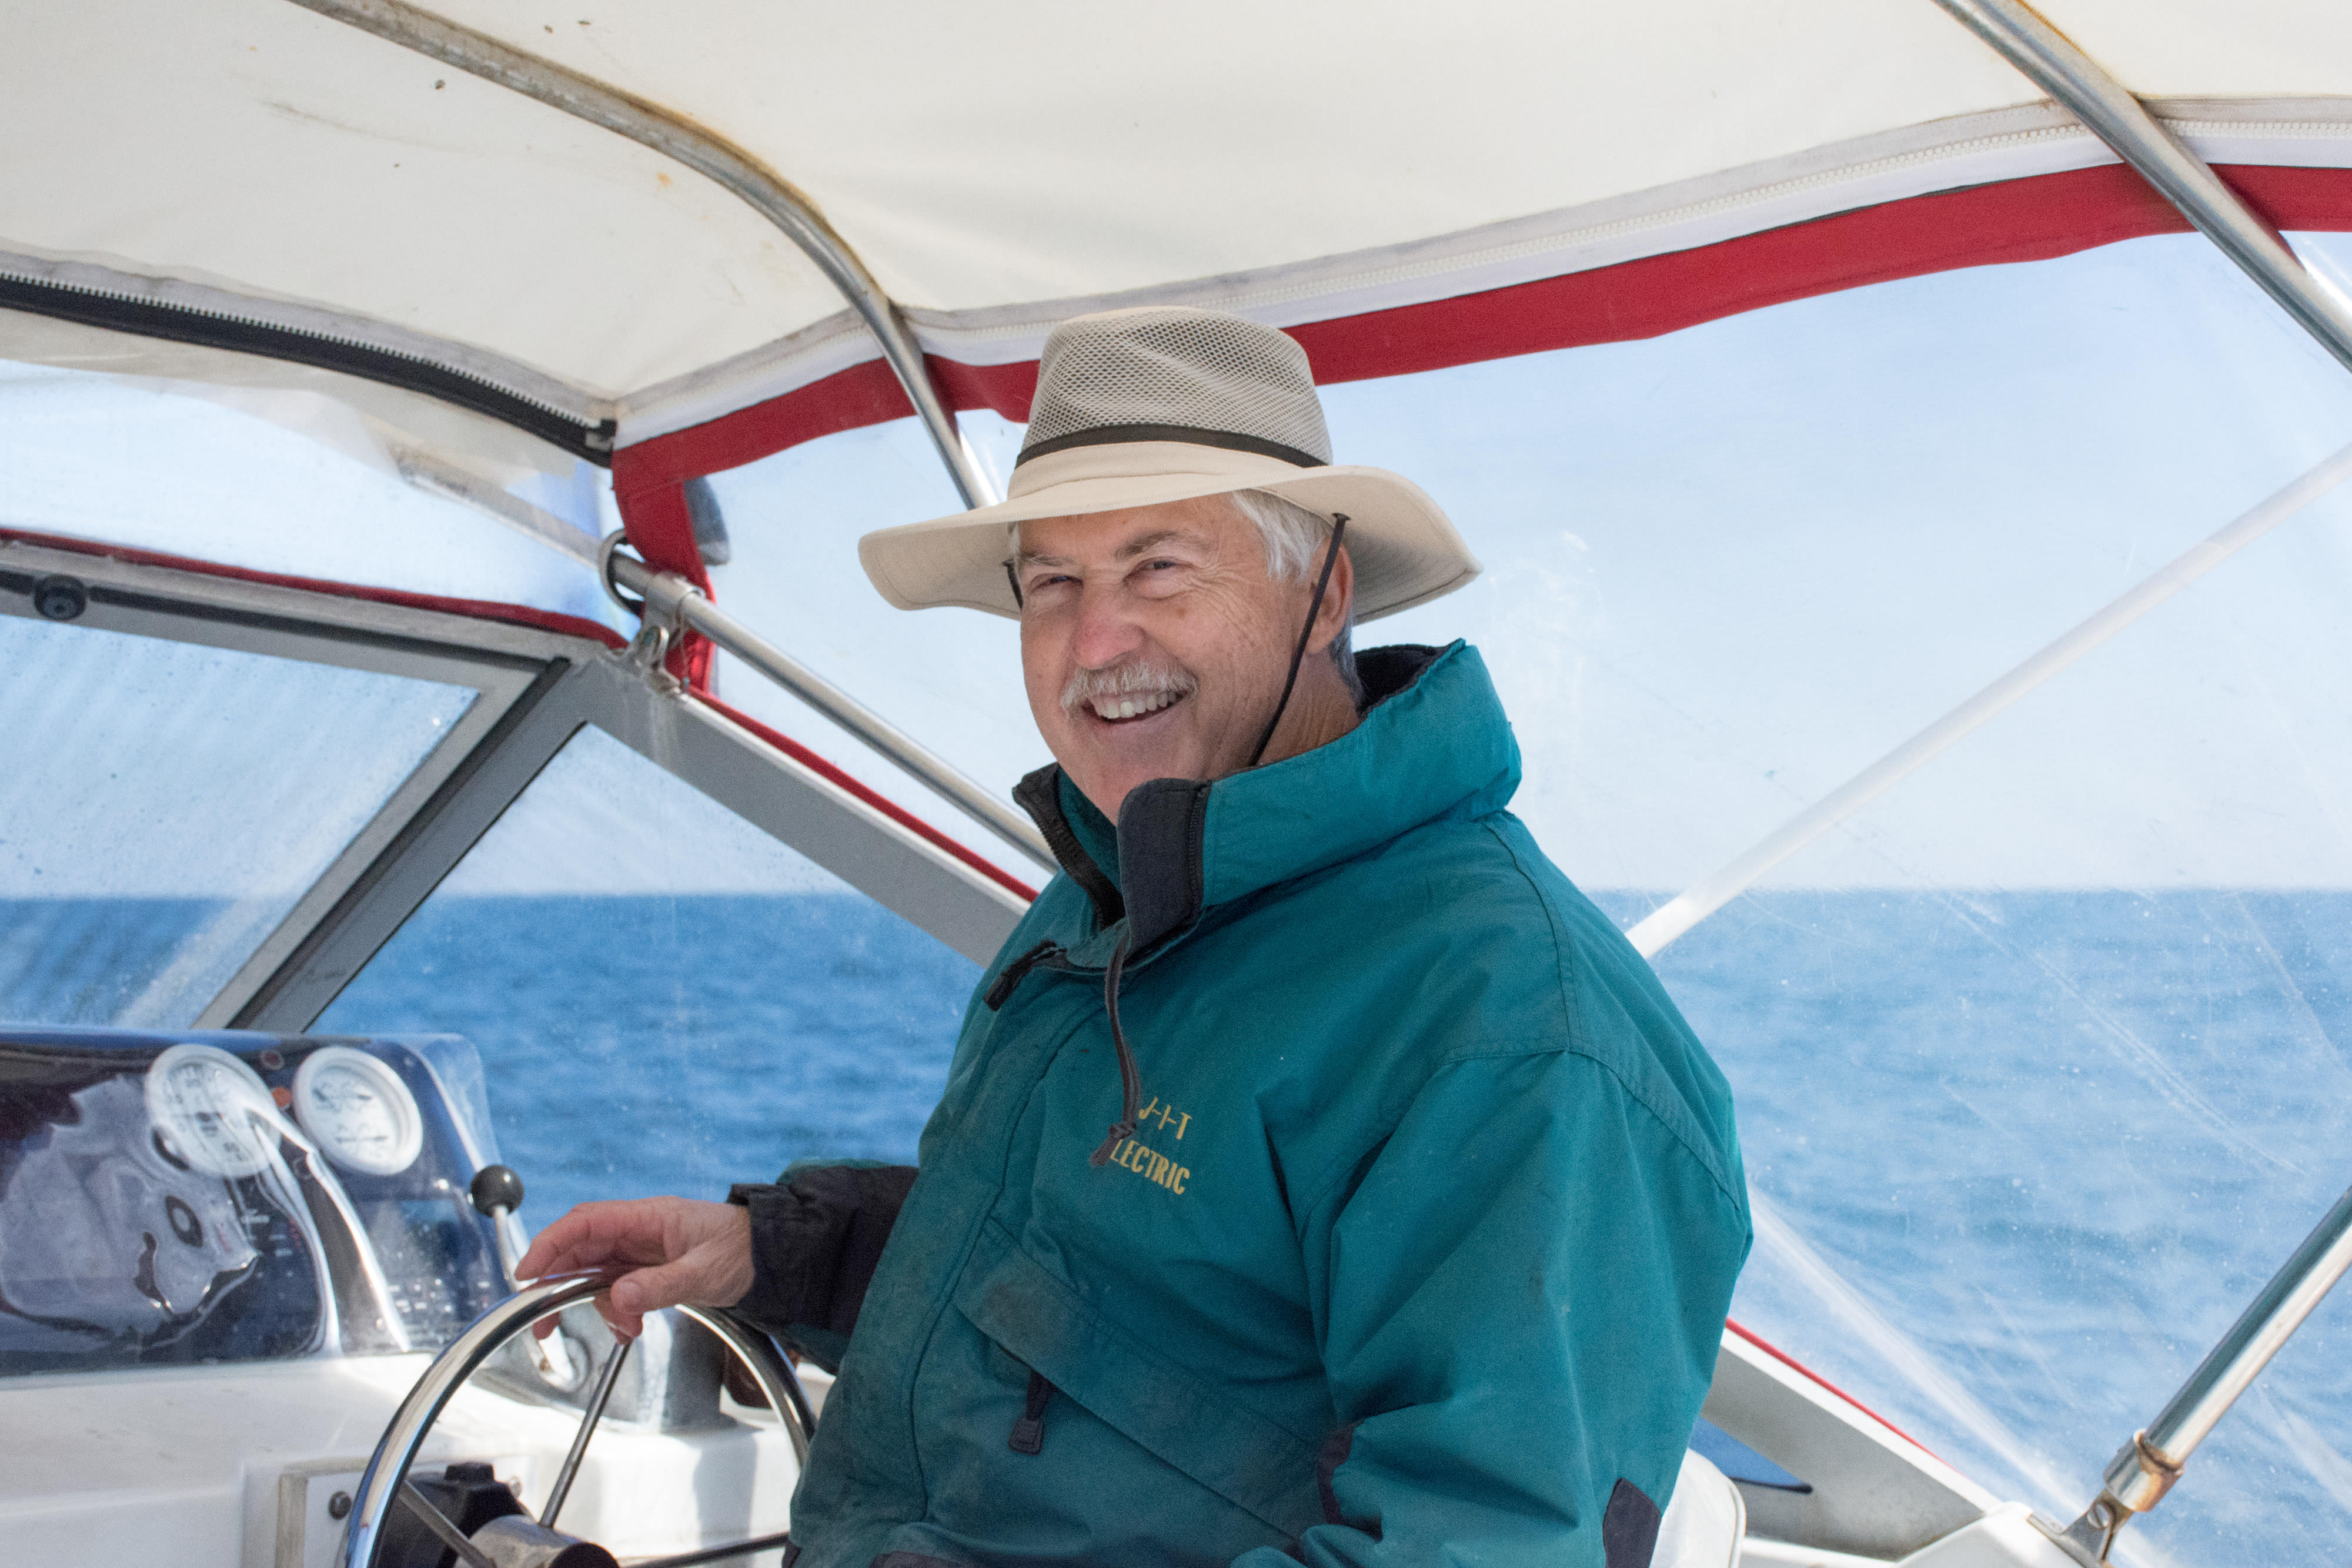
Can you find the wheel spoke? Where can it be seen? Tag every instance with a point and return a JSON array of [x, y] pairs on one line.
[[588, 1419], [438, 1523]]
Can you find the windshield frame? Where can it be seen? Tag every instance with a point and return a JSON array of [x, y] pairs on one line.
[[539, 678]]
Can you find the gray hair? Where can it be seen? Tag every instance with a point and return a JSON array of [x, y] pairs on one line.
[[1293, 537]]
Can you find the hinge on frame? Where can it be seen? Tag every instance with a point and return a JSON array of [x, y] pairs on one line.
[[647, 654], [658, 626]]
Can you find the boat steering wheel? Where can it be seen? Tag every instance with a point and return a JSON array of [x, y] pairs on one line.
[[518, 1541]]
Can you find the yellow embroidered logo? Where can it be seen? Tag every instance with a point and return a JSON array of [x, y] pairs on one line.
[[1149, 1164], [1166, 1113], [1152, 1165]]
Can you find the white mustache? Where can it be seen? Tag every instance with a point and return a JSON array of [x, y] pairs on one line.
[[1124, 681]]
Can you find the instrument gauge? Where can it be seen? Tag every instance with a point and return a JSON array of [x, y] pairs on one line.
[[358, 1111], [213, 1109]]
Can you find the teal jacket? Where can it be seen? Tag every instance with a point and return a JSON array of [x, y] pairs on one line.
[[1420, 1252]]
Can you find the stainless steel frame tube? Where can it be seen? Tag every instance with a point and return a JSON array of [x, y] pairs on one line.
[[649, 125], [2139, 1478], [2116, 118], [670, 598]]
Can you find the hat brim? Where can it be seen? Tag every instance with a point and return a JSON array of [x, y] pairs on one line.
[[1404, 550]]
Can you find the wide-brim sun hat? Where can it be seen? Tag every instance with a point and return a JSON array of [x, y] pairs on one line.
[[1165, 403]]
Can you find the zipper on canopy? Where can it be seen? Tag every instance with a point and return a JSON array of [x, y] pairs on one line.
[[122, 312]]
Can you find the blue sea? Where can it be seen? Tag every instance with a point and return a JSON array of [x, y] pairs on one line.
[[2020, 1157]]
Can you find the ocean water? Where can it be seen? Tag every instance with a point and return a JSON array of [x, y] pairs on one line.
[[637, 1046], [2019, 1158], [2024, 1157], [91, 960]]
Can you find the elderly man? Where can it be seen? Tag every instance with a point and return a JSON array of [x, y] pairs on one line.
[[1319, 1176]]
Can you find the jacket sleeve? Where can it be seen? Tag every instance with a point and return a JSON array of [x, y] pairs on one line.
[[816, 1235], [1521, 1294]]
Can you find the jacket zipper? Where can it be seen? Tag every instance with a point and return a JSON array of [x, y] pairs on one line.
[[1028, 1435]]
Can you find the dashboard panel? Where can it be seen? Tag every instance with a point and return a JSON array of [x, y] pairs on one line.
[[221, 1196]]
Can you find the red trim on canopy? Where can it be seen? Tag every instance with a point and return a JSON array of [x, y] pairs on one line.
[[889, 808], [661, 530], [2032, 219], [473, 609], [1793, 1365]]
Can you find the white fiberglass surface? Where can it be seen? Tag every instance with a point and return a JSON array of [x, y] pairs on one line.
[[167, 804], [274, 480], [665, 998], [2041, 1058]]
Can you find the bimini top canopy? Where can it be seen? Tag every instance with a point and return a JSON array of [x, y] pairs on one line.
[[2034, 1052], [269, 165]]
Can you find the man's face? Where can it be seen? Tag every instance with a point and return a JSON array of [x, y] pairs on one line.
[[1152, 641]]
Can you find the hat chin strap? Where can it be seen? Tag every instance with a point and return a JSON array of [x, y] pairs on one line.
[[1305, 634]]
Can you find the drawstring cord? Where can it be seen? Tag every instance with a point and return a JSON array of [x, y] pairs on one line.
[[1130, 1083], [1306, 633], [1017, 971]]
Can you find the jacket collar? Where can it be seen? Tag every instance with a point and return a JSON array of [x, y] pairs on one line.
[[1433, 743]]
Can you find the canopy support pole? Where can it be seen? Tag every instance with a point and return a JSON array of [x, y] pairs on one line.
[[2147, 1468], [1703, 898], [669, 600], [649, 125], [2056, 66]]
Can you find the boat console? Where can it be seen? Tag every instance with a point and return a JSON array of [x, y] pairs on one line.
[[208, 1199], [228, 1261]]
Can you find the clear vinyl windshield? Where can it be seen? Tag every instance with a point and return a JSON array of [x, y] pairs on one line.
[[186, 797], [2040, 1051], [665, 998], [298, 483]]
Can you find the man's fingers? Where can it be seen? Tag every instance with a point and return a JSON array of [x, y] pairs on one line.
[[628, 1324], [557, 1249], [537, 1263], [539, 1258], [649, 1290], [698, 1253], [595, 1234]]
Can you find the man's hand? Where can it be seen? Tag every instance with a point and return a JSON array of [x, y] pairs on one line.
[[698, 1253]]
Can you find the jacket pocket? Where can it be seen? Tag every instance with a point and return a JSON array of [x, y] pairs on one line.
[[1159, 1405]]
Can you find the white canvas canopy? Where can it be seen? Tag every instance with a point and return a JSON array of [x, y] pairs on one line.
[[996, 173]]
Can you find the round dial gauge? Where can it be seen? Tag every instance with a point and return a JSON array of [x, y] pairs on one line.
[[362, 1115], [213, 1109]]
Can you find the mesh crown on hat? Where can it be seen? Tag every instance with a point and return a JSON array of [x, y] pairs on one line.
[[1159, 372], [1164, 404]]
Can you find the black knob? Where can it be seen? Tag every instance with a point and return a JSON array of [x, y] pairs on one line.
[[496, 1188], [60, 598]]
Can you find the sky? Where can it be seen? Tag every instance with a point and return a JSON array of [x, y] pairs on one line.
[[1725, 568], [1728, 567]]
